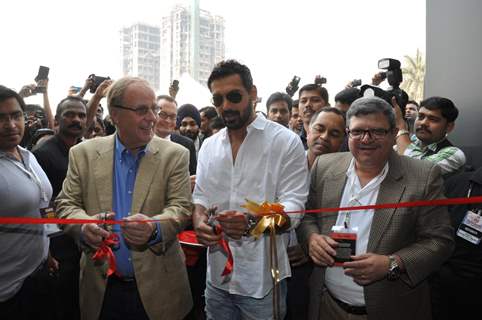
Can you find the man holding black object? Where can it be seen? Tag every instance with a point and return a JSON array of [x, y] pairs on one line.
[[395, 249]]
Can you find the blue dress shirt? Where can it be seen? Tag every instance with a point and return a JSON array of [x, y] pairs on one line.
[[125, 172]]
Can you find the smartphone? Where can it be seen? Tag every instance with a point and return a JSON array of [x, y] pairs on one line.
[[43, 73], [97, 81]]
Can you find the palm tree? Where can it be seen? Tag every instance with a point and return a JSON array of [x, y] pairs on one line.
[[413, 76]]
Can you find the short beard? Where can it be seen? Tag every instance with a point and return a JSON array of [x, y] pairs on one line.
[[243, 118]]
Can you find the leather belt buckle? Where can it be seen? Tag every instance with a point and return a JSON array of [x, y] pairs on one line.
[[357, 310]]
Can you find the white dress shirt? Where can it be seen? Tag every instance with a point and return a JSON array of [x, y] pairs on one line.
[[341, 286], [270, 166]]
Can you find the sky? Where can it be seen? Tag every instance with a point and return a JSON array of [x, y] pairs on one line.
[[340, 40]]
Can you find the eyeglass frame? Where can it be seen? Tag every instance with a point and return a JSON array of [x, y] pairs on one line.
[[166, 116], [154, 109], [371, 133], [235, 91]]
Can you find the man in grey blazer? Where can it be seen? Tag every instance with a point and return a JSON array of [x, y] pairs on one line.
[[396, 249]]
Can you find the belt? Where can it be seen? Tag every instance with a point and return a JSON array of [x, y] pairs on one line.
[[358, 310], [114, 277]]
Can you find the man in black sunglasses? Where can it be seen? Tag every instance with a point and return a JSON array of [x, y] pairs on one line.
[[252, 158]]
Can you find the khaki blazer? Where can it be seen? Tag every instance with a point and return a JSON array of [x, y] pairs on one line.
[[162, 190], [421, 236]]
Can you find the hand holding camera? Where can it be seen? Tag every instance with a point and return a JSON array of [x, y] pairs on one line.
[[174, 88], [293, 86]]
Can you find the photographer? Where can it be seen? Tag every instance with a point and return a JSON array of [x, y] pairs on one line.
[[435, 120]]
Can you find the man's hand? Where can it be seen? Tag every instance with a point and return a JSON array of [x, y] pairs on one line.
[[192, 179], [367, 268], [233, 223], [204, 232], [27, 90], [138, 233], [44, 84], [377, 79], [322, 249], [102, 89], [297, 256], [92, 234], [399, 119]]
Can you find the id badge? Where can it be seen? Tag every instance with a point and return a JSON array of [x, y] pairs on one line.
[[50, 229], [346, 239], [471, 228]]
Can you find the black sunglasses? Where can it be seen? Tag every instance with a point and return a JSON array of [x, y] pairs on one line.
[[232, 96]]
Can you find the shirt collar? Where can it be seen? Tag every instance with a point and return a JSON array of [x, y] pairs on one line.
[[352, 176], [259, 123], [432, 147], [120, 149]]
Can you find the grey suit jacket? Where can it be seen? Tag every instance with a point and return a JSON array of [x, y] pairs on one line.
[[421, 236], [162, 191]]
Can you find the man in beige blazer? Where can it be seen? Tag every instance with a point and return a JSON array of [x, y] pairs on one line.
[[396, 249], [135, 176]]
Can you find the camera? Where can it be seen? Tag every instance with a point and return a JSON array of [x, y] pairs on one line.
[[355, 83], [319, 80], [97, 81], [293, 86], [394, 78]]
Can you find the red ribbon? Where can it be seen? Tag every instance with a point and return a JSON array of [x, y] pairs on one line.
[[105, 252], [228, 267], [420, 203]]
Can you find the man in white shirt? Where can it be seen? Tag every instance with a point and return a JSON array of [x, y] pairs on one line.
[[256, 159], [384, 276]]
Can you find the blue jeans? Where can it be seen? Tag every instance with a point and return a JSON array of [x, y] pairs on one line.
[[221, 305]]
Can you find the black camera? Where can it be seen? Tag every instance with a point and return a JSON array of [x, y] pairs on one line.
[[96, 82], [355, 83], [319, 80], [293, 86], [394, 78]]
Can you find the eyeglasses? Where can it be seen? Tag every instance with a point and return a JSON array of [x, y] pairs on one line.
[[166, 116], [375, 134], [141, 111], [15, 116], [232, 96]]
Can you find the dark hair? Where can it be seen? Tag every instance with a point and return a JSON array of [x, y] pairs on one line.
[[371, 105], [327, 109], [413, 102], [61, 107], [347, 95], [6, 93], [314, 87], [279, 96], [296, 102], [166, 97], [446, 106], [231, 67], [217, 123], [209, 112]]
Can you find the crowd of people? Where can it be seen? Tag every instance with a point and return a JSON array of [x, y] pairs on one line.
[[160, 169]]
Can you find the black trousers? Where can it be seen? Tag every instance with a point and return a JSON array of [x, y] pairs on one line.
[[34, 300], [122, 301]]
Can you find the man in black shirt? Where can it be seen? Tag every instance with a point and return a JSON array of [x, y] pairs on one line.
[[53, 157], [456, 286]]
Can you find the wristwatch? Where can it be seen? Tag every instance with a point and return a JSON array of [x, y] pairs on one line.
[[393, 269], [154, 234], [401, 132]]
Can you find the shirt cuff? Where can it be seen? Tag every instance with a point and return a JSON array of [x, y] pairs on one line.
[[158, 237]]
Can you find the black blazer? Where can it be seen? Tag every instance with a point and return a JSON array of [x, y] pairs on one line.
[[188, 144]]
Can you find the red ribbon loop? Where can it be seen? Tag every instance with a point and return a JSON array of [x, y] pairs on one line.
[[228, 267], [105, 252]]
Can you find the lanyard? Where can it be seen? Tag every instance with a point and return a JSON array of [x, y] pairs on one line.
[[33, 176], [469, 193]]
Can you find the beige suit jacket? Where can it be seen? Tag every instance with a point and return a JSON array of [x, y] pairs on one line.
[[162, 190], [421, 236]]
